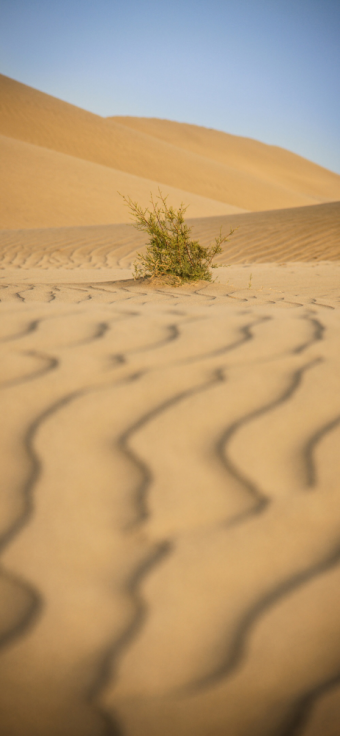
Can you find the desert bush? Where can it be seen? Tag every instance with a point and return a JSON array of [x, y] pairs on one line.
[[171, 257]]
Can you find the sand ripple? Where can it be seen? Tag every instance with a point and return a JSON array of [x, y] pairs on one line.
[[170, 511], [302, 234]]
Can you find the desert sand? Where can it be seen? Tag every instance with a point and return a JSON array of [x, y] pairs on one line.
[[170, 500]]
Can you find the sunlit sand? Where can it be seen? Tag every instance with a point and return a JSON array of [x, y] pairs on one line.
[[170, 502]]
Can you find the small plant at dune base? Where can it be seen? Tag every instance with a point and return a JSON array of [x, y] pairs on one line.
[[172, 257]]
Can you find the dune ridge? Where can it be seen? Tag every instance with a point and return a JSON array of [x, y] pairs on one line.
[[71, 191], [247, 175], [274, 164]]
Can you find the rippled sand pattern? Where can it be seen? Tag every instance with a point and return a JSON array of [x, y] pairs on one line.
[[170, 505], [302, 234]]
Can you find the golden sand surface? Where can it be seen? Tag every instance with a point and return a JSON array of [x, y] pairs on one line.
[[170, 498], [71, 191], [302, 234], [64, 166], [170, 516]]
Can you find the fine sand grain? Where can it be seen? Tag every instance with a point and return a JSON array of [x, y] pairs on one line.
[[170, 498]]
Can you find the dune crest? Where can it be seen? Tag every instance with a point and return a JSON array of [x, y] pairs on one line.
[[231, 170], [71, 191], [271, 163]]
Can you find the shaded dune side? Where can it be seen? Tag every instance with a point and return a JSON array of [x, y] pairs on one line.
[[297, 234], [35, 117], [44, 188], [244, 154]]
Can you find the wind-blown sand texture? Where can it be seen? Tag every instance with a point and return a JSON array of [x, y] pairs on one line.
[[304, 234], [170, 499], [170, 505]]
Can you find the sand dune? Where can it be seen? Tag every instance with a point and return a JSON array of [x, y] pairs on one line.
[[44, 188], [34, 117], [299, 234], [271, 163], [169, 494]]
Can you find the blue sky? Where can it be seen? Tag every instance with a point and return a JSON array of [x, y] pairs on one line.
[[266, 69]]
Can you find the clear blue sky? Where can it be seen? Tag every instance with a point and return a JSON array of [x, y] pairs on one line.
[[267, 69]]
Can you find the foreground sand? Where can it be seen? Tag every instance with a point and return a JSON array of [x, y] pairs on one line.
[[170, 511]]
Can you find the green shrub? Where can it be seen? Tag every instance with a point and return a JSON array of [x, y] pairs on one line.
[[171, 256]]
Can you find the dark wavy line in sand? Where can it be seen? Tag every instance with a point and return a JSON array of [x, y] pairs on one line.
[[169, 293], [27, 492], [27, 510], [295, 304], [52, 363], [318, 334], [100, 287], [235, 653], [237, 298], [246, 335], [111, 657], [173, 334], [34, 598], [133, 292], [310, 450], [98, 333], [52, 295], [75, 287], [23, 518], [36, 601], [101, 329], [32, 609], [301, 712], [146, 473], [318, 304], [19, 296], [31, 327], [221, 447]]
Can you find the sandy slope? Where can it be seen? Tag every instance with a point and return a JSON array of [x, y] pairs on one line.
[[271, 163], [263, 183], [45, 188], [170, 504]]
